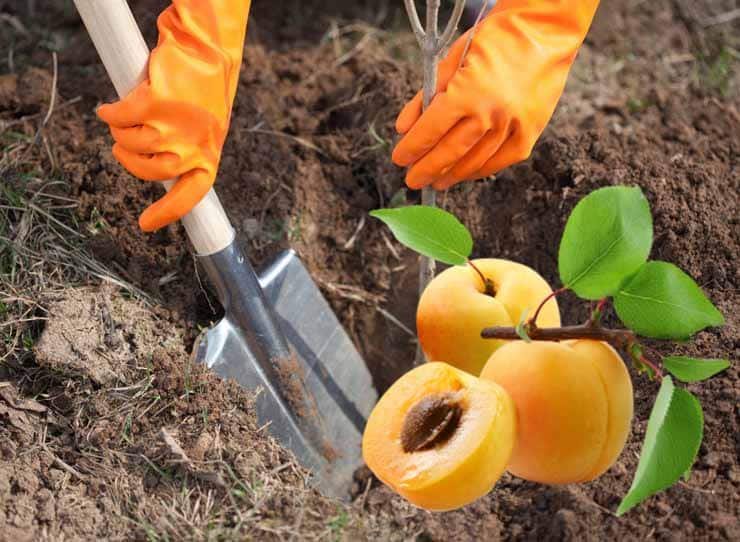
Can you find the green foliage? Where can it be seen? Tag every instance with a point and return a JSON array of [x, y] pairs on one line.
[[339, 522], [636, 353], [716, 73], [663, 302], [380, 142], [521, 328], [672, 440], [126, 431], [636, 105], [607, 238], [28, 340], [429, 231], [694, 369]]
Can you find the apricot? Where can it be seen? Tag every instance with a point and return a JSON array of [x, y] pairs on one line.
[[455, 307], [440, 437], [574, 407]]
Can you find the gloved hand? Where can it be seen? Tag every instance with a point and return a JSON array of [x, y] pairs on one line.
[[489, 113], [175, 122]]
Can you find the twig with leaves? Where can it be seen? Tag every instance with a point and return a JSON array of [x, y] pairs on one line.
[[604, 257]]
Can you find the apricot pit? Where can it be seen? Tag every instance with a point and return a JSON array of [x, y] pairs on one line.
[[429, 422]]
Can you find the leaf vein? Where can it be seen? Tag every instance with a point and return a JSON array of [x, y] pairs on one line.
[[596, 260], [661, 302]]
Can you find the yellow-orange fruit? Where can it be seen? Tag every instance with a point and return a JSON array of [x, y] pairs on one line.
[[440, 437], [574, 407], [454, 308]]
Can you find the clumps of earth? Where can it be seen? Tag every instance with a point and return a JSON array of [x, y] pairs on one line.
[[106, 428]]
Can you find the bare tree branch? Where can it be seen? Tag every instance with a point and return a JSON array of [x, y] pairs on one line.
[[414, 20], [483, 9], [430, 51], [432, 18], [449, 32], [619, 338], [432, 45]]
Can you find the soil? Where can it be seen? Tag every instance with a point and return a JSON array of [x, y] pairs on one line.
[[650, 102], [109, 462]]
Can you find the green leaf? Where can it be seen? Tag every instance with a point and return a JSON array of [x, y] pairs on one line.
[[694, 369], [663, 302], [429, 231], [606, 239], [672, 440]]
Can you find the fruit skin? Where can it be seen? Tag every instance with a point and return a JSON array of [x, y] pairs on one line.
[[574, 407], [457, 471], [454, 309]]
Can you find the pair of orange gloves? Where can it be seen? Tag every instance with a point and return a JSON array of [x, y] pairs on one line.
[[487, 114]]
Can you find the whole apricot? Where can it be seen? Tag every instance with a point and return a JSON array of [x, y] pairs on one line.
[[574, 407], [455, 307], [440, 437]]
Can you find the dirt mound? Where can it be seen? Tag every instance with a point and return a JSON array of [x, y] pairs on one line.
[[90, 332], [307, 157], [104, 456]]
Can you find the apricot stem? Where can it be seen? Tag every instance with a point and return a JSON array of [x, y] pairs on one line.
[[533, 321], [615, 337], [598, 312], [488, 287], [431, 421], [656, 370]]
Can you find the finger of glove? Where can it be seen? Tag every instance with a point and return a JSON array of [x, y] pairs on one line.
[[447, 68], [515, 149], [179, 201], [409, 114], [474, 159], [453, 146], [141, 139], [437, 120], [151, 167], [130, 110]]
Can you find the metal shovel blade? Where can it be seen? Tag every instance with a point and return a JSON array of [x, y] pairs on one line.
[[316, 397]]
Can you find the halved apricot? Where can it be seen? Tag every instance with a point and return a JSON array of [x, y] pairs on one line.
[[573, 403], [440, 437]]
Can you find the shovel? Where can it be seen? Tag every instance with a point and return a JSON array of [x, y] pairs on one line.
[[279, 337]]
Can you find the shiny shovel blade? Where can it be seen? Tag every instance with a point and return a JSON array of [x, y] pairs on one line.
[[316, 402]]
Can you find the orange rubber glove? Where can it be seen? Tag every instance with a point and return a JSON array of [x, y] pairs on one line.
[[175, 123], [489, 113]]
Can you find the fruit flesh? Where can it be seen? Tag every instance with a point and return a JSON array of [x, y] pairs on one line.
[[458, 470], [574, 407], [454, 308]]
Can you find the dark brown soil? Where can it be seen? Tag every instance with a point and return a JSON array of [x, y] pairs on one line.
[[649, 103]]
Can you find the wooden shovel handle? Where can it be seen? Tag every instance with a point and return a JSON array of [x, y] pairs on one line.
[[124, 53]]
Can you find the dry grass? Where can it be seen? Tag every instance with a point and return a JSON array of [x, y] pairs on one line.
[[41, 242]]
